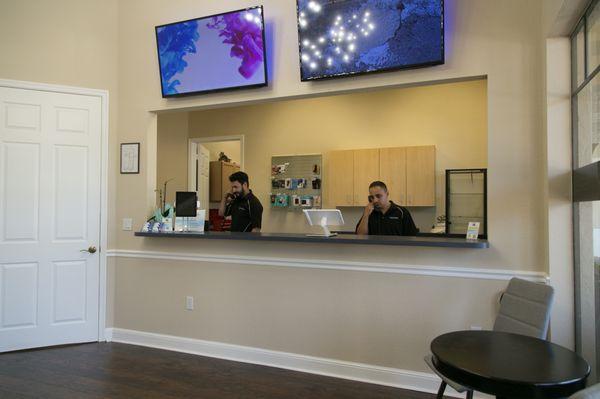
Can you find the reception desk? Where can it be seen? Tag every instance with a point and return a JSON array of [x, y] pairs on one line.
[[415, 241]]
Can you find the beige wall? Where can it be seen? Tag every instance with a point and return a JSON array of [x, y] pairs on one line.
[[76, 43], [484, 38], [500, 40], [355, 316], [172, 154], [452, 116]]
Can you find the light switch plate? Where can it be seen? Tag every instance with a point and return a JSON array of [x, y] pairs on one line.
[[189, 303], [127, 224]]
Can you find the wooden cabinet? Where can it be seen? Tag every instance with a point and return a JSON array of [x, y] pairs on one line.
[[340, 178], [366, 171], [409, 173], [219, 178], [420, 176], [392, 171]]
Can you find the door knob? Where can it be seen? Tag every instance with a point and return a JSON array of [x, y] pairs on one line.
[[91, 250]]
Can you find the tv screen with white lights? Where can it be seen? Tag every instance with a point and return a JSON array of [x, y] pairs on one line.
[[218, 52], [350, 37]]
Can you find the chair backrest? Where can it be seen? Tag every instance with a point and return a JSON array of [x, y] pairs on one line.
[[525, 308], [588, 393]]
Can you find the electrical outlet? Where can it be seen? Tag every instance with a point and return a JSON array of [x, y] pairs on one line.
[[127, 224], [476, 328], [189, 303]]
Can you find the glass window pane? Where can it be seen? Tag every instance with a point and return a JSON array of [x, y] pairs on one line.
[[578, 57], [596, 249], [587, 279], [596, 267], [587, 124], [593, 38]]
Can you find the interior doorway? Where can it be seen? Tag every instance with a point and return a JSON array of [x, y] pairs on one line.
[[209, 160]]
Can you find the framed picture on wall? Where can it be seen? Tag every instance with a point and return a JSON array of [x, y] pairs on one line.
[[130, 158]]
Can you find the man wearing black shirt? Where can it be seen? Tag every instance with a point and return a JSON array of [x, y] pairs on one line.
[[241, 204], [383, 217]]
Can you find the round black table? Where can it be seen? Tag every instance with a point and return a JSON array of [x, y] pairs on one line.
[[509, 365]]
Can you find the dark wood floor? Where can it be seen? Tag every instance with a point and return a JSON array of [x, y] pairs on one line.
[[111, 370]]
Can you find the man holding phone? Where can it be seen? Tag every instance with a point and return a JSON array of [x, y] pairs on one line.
[[383, 217], [242, 205]]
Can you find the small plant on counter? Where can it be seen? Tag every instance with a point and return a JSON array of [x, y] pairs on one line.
[[163, 210]]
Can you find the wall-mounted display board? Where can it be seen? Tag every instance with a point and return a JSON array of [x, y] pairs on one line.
[[296, 182]]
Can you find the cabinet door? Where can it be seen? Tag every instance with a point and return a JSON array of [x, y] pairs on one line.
[[392, 171], [366, 171], [420, 176], [228, 170], [219, 179], [340, 178], [215, 182]]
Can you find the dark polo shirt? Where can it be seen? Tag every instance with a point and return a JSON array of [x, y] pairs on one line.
[[246, 213], [397, 221]]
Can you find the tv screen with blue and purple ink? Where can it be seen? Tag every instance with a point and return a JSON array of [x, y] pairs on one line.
[[218, 52], [349, 37]]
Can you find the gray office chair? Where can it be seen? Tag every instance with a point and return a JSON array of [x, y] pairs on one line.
[[524, 309], [592, 392]]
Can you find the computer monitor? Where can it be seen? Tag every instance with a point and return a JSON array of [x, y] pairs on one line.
[[324, 218], [185, 203]]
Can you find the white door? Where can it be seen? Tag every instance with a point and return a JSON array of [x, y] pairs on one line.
[[200, 173], [49, 212], [203, 176]]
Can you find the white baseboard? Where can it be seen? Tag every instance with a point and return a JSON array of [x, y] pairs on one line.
[[108, 334], [406, 379]]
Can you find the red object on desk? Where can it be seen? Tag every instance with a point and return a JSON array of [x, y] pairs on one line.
[[218, 223]]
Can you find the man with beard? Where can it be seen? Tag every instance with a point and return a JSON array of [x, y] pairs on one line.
[[242, 205], [383, 217]]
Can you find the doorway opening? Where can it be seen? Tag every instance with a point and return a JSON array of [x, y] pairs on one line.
[[211, 161]]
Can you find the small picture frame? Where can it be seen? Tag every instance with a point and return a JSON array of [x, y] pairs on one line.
[[130, 158]]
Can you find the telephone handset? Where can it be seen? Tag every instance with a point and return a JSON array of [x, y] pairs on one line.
[[230, 198], [371, 199]]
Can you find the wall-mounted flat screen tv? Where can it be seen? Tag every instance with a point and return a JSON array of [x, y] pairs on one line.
[[214, 53], [350, 37]]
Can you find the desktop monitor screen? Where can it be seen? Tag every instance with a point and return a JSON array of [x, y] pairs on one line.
[[185, 203]]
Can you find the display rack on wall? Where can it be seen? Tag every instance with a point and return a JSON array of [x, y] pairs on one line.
[[296, 182]]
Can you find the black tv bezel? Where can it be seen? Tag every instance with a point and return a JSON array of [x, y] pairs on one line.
[[221, 89], [442, 61]]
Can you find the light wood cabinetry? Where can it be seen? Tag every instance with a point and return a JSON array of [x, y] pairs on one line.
[[409, 173], [340, 178], [366, 170], [392, 171], [219, 178], [420, 176]]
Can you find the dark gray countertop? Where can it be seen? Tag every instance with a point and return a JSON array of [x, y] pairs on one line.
[[418, 241]]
